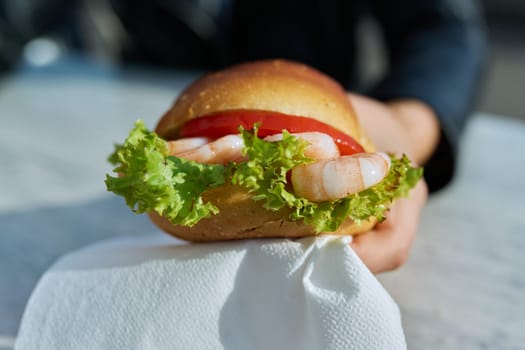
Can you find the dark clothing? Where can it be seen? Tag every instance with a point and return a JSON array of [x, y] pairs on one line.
[[436, 48]]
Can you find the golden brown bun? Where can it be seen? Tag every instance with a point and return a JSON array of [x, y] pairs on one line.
[[273, 85], [240, 217]]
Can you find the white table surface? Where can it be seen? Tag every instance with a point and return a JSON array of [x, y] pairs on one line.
[[462, 288]]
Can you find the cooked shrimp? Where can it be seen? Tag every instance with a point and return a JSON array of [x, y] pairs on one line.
[[185, 144], [326, 180], [220, 151], [229, 148], [321, 146]]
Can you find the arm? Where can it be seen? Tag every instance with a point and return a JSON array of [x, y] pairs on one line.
[[437, 51]]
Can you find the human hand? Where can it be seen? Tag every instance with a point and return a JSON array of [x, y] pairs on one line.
[[403, 126], [386, 247]]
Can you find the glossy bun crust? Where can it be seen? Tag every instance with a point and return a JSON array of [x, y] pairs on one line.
[[273, 85]]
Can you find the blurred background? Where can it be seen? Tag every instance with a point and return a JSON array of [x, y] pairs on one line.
[[503, 91], [98, 32]]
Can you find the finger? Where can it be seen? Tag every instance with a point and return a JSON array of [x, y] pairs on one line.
[[405, 207], [386, 247]]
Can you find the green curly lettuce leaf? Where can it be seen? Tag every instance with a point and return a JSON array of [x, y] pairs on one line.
[[264, 175], [151, 180]]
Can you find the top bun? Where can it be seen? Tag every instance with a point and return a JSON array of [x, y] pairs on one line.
[[272, 85]]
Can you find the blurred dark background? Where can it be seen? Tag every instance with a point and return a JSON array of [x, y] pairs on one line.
[[503, 90], [101, 35], [504, 93]]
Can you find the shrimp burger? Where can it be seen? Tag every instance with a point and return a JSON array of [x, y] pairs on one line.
[[261, 149]]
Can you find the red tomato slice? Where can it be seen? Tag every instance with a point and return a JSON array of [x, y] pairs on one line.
[[228, 122]]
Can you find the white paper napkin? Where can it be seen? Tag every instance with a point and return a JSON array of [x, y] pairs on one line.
[[150, 293]]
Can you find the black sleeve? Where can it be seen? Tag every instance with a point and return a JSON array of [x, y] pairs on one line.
[[437, 51]]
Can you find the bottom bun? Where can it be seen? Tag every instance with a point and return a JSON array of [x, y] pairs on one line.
[[241, 217]]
